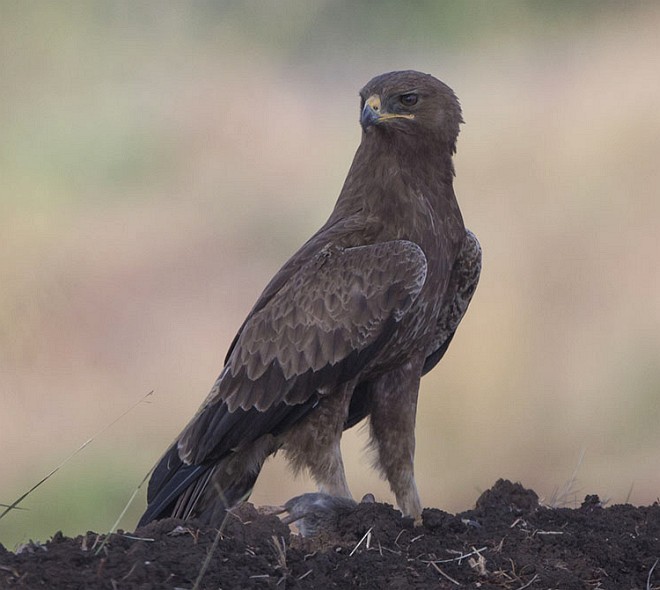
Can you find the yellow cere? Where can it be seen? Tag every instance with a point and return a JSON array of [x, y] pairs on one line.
[[374, 102]]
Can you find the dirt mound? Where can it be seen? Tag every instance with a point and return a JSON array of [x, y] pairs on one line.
[[507, 542]]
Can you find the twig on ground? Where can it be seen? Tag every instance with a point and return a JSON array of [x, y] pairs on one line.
[[134, 538], [209, 555], [366, 536], [478, 564], [460, 557], [305, 575], [443, 574], [280, 552], [648, 578], [128, 575], [216, 540], [396, 541], [536, 576]]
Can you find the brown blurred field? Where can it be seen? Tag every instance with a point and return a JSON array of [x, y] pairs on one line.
[[158, 162]]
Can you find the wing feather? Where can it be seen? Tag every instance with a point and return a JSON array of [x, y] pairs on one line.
[[462, 284], [320, 329], [297, 331]]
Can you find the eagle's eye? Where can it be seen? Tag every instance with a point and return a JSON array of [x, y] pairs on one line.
[[408, 100]]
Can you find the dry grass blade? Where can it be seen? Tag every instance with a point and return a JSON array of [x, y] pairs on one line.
[[460, 557], [209, 555], [444, 575], [648, 578], [280, 552], [536, 577], [305, 575], [366, 536], [216, 540], [479, 564], [123, 512], [134, 538], [16, 502], [560, 497], [630, 492]]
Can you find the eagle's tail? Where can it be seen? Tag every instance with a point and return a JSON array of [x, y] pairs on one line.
[[206, 491]]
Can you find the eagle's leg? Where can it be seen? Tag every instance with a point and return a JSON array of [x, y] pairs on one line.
[[392, 425], [314, 443]]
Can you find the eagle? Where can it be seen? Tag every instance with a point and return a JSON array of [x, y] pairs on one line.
[[347, 327]]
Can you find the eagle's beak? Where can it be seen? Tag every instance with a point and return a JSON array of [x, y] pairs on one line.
[[372, 113]]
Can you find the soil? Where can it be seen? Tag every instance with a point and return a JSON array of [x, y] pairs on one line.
[[508, 541]]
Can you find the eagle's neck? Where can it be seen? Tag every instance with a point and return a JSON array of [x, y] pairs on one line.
[[392, 173]]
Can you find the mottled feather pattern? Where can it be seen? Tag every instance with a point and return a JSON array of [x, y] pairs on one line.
[[335, 305], [462, 284], [299, 332]]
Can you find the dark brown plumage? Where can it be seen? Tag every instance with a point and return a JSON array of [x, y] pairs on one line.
[[348, 326]]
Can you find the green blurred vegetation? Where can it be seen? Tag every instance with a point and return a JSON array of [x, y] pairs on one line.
[[84, 498], [159, 161]]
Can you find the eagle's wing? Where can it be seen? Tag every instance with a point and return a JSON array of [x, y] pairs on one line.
[[320, 329], [462, 284], [323, 323]]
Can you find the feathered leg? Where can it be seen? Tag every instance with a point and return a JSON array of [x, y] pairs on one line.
[[314, 443], [392, 425]]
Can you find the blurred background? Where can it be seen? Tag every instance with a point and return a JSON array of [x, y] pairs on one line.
[[160, 161]]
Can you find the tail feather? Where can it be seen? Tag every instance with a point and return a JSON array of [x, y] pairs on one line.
[[163, 503], [188, 501], [229, 451], [205, 492], [213, 511]]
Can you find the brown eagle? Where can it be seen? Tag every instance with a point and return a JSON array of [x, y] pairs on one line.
[[348, 326]]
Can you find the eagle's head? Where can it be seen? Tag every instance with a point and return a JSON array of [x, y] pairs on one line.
[[411, 103]]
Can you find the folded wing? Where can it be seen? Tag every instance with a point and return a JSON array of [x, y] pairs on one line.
[[321, 328]]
